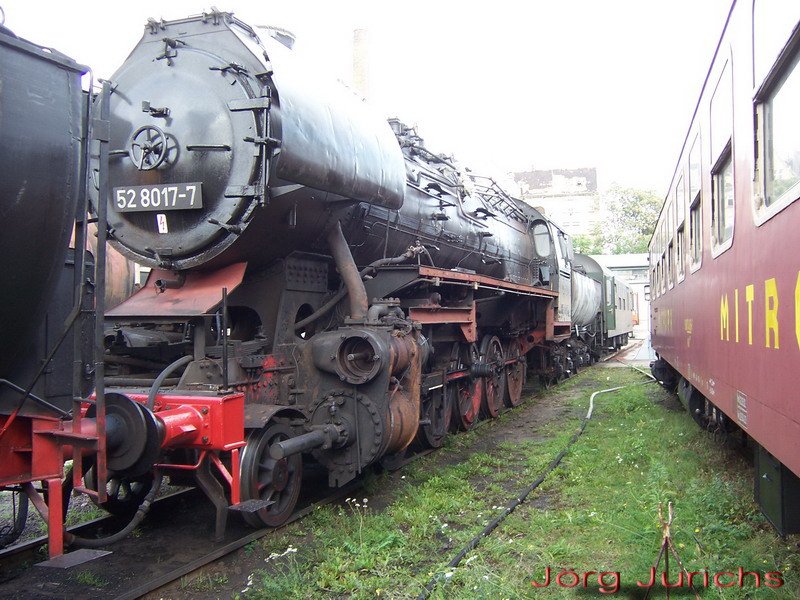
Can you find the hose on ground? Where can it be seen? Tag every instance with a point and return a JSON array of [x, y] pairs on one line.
[[472, 544]]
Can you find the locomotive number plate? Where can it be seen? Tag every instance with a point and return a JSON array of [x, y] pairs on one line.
[[167, 196]]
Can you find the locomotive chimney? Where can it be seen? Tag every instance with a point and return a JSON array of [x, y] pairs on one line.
[[361, 62]]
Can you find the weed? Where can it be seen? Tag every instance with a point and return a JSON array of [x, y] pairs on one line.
[[90, 579], [204, 582], [597, 511], [250, 547]]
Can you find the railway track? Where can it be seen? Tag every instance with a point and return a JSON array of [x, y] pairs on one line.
[[18, 557], [173, 542]]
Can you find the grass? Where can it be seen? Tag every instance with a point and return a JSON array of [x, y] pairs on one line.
[[597, 512], [205, 582], [90, 579]]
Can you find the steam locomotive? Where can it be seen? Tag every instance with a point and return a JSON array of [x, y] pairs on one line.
[[323, 287]]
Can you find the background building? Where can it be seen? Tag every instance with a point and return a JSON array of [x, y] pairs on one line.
[[569, 197]]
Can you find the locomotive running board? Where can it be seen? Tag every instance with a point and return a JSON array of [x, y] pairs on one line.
[[394, 278], [391, 280], [485, 281]]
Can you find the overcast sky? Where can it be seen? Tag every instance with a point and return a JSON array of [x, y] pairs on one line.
[[503, 85]]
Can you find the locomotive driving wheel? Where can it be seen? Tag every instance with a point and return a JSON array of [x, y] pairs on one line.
[[437, 410], [495, 381], [515, 373], [265, 478], [468, 391]]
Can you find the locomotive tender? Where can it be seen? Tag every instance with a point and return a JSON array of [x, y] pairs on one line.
[[723, 274], [322, 285]]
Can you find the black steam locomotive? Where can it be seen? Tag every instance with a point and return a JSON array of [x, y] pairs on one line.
[[321, 283]]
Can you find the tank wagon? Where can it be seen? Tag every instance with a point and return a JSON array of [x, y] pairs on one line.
[[323, 287], [723, 275], [46, 288]]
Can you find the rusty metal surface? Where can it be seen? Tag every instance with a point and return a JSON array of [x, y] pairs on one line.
[[446, 274], [200, 294], [464, 317], [404, 405], [120, 272]]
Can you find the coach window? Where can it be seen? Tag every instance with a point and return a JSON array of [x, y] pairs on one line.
[[680, 207], [661, 276], [654, 287], [722, 193], [661, 285], [722, 199], [670, 265], [778, 167], [695, 208]]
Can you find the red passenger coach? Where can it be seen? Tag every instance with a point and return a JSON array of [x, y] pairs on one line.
[[725, 255]]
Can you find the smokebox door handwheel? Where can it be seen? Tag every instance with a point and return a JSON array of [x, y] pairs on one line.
[[148, 147]]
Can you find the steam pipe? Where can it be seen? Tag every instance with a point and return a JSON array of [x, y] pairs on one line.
[[336, 298], [343, 258]]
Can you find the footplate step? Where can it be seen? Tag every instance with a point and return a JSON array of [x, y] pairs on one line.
[[251, 506]]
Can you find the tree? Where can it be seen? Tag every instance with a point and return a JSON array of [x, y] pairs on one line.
[[630, 217], [590, 243]]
